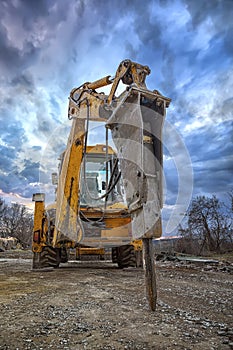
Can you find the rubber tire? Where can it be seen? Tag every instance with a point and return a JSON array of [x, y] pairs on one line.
[[64, 254], [114, 255], [139, 258], [126, 256], [48, 257]]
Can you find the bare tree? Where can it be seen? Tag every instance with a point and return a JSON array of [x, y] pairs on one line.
[[188, 243], [229, 209], [3, 210], [209, 224], [17, 221]]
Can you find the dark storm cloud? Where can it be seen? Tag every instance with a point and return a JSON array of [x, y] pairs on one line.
[[211, 151], [26, 27], [11, 131], [11, 178], [13, 60], [12, 183], [218, 181], [220, 11], [24, 80], [7, 156], [13, 141], [171, 184], [13, 134], [25, 182], [223, 109], [18, 184], [30, 171], [30, 8], [48, 47], [8, 54], [208, 143]]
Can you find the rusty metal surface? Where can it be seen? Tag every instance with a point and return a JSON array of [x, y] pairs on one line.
[[130, 73], [150, 275], [99, 83]]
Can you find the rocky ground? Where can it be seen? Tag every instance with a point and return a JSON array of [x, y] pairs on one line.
[[88, 305]]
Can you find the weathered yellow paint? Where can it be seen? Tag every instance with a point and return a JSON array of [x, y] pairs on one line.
[[39, 236], [119, 205], [115, 231], [100, 149], [99, 83], [68, 186], [116, 222], [89, 251], [137, 243], [38, 216], [95, 101]]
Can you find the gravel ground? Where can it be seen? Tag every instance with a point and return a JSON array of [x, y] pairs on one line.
[[95, 305]]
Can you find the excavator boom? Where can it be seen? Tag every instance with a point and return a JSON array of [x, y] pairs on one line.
[[135, 119]]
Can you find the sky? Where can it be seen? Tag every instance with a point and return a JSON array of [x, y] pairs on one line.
[[48, 47]]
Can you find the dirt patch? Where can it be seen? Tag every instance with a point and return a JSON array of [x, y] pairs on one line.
[[98, 306]]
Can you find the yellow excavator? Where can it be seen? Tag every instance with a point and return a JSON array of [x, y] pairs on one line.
[[108, 198]]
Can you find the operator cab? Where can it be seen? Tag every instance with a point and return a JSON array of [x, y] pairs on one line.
[[100, 178]]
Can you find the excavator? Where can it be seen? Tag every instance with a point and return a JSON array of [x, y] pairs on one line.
[[108, 197]]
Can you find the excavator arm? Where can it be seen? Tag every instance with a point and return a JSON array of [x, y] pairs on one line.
[[135, 119]]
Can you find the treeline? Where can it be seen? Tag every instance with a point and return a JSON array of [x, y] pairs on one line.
[[208, 227], [16, 221]]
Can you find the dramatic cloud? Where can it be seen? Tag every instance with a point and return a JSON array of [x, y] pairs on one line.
[[50, 46]]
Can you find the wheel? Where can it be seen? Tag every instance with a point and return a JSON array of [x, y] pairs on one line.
[[48, 257], [114, 255], [139, 258], [64, 254], [126, 256]]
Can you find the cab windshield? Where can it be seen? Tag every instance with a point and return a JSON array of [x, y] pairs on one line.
[[98, 177]]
